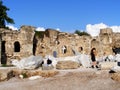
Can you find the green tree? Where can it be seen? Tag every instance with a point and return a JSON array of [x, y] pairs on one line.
[[81, 33], [3, 16]]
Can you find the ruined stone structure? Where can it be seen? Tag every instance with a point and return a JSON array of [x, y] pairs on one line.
[[25, 42], [16, 44]]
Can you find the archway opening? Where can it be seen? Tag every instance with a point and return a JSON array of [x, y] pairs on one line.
[[16, 46], [3, 46], [3, 53], [64, 49], [116, 50], [34, 45]]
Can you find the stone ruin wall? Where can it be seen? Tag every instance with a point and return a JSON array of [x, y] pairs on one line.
[[104, 43], [106, 36], [116, 40], [23, 37], [48, 42], [71, 41]]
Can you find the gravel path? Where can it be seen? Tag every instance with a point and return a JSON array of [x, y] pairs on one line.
[[77, 79]]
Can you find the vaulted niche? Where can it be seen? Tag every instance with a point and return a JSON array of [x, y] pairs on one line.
[[16, 46]]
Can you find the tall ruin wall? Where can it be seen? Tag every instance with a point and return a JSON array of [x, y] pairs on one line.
[[17, 44], [24, 42]]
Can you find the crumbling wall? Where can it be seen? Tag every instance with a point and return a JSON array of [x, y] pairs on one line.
[[52, 42], [103, 43], [18, 44], [106, 39], [116, 40]]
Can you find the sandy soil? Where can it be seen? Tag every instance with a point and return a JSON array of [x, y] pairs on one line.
[[77, 79]]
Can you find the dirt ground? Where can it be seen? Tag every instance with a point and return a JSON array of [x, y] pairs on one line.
[[76, 79]]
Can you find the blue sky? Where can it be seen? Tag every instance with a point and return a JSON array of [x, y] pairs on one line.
[[67, 15]]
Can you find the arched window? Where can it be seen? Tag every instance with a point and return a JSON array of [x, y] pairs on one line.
[[64, 49], [16, 46]]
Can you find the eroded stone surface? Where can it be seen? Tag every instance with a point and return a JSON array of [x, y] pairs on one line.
[[23, 43]]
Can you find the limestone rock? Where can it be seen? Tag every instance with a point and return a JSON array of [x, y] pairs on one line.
[[47, 67], [67, 65], [29, 73], [6, 74], [116, 76], [31, 62], [107, 65], [48, 73]]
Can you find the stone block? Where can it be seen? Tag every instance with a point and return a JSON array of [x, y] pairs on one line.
[[115, 76], [107, 65], [39, 72], [67, 65], [6, 74], [47, 67]]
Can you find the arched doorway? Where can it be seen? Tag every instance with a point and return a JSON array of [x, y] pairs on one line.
[[3, 53], [34, 45], [95, 43], [116, 46], [16, 46], [116, 50], [3, 46]]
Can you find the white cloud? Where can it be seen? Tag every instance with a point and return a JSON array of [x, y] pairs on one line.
[[94, 30], [40, 29], [43, 29], [12, 27], [115, 28], [58, 29]]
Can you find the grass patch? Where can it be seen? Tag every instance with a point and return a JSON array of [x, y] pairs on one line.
[[5, 65]]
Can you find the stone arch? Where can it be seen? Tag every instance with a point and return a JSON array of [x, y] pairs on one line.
[[94, 43], [116, 50], [116, 43], [64, 49], [16, 46], [80, 49], [55, 54], [57, 42], [116, 46]]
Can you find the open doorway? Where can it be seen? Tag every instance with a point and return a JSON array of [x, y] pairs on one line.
[[34, 45], [3, 53], [16, 46], [116, 50]]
